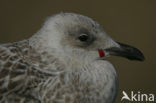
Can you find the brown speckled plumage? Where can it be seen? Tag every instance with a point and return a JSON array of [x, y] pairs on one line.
[[18, 73]]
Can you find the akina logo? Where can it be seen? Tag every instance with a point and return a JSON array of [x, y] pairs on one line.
[[138, 96]]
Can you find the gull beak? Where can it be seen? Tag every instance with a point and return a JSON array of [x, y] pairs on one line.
[[126, 51]]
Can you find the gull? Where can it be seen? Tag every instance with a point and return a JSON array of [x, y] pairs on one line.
[[64, 62]]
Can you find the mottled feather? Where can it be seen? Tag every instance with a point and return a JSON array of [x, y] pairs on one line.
[[21, 72]]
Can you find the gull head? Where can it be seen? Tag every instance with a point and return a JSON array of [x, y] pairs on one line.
[[81, 38]]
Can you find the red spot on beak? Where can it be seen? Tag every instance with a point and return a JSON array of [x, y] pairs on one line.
[[101, 53]]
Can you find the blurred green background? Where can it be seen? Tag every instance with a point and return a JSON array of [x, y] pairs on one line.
[[129, 21]]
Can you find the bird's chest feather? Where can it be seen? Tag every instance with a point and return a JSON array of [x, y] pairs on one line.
[[89, 83], [92, 83]]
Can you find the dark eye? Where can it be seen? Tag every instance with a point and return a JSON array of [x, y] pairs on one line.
[[83, 37]]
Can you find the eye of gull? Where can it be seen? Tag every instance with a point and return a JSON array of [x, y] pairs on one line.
[[83, 37]]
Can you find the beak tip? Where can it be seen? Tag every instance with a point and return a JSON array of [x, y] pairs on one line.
[[138, 56], [142, 58]]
